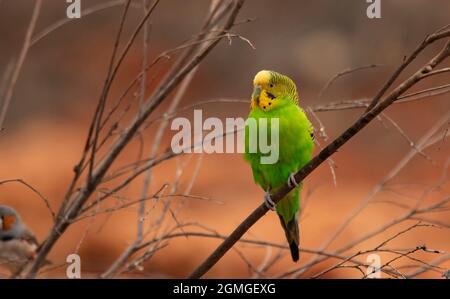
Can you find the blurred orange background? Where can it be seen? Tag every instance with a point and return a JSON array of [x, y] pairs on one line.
[[63, 74]]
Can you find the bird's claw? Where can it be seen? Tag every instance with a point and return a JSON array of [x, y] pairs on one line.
[[268, 201], [291, 181]]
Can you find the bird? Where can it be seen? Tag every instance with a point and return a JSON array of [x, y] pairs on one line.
[[275, 96], [18, 245]]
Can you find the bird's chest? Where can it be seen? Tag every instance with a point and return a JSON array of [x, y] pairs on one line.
[[16, 250], [287, 133]]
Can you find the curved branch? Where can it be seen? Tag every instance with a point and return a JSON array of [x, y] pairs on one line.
[[46, 201]]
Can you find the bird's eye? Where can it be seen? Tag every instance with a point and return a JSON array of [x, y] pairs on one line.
[[271, 85]]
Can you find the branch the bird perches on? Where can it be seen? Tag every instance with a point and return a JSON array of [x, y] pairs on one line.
[[372, 111]]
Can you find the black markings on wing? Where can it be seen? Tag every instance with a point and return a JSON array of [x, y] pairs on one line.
[[311, 133]]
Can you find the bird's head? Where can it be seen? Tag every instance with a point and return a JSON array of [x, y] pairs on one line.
[[272, 90], [10, 223]]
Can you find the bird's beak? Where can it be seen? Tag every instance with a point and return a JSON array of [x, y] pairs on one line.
[[256, 93]]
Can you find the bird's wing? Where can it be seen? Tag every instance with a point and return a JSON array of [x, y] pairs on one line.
[[28, 236]]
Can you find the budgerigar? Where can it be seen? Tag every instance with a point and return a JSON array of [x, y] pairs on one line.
[[275, 96]]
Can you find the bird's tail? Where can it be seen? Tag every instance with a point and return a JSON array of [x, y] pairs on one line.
[[292, 235]]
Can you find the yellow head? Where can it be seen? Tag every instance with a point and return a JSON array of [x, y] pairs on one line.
[[272, 90]]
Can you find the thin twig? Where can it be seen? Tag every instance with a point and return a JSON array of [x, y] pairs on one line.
[[37, 192], [19, 63]]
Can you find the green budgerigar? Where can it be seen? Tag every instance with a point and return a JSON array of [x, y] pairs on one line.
[[275, 97]]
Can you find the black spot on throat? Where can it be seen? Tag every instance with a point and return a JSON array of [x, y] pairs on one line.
[[271, 96]]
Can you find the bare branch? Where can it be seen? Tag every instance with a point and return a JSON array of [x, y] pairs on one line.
[[97, 174], [19, 63], [345, 72]]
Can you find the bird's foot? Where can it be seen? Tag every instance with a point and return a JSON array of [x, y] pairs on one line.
[[291, 181], [268, 201]]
